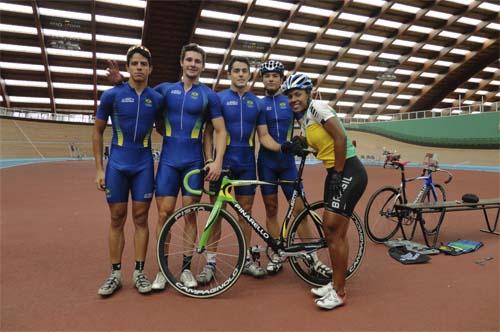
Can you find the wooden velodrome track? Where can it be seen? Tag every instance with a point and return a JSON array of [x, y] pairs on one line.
[[54, 257]]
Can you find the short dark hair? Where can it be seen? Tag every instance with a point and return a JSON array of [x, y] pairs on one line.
[[142, 50], [238, 59], [195, 48]]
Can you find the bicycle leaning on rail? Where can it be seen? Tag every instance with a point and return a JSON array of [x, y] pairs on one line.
[[382, 221], [301, 240]]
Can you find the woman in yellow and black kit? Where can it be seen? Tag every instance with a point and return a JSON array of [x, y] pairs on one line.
[[345, 183]]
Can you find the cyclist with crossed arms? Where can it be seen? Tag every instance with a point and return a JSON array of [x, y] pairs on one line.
[[344, 184]]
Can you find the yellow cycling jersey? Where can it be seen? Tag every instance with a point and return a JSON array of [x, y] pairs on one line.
[[318, 138]]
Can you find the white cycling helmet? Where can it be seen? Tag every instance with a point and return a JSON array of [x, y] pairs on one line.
[[272, 66], [297, 81]]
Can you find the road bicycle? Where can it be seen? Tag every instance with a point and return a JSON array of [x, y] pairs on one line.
[[206, 231], [382, 221]]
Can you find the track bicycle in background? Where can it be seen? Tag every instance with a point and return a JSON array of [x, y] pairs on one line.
[[218, 233], [382, 221]]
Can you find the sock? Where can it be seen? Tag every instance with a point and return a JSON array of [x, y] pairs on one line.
[[139, 265], [116, 267], [186, 262]]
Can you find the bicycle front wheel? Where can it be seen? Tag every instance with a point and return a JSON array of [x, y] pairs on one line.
[[315, 268], [381, 219], [177, 251]]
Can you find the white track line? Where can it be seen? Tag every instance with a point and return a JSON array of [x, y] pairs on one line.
[[33, 145]]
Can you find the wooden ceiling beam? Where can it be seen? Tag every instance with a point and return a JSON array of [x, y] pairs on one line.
[[94, 57], [3, 91]]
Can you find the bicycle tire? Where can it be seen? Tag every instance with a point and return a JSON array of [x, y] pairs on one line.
[[381, 221], [432, 219], [230, 249], [302, 266]]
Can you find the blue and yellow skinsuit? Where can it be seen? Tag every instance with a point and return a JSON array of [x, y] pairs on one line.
[[242, 115], [273, 166], [130, 166], [184, 117]]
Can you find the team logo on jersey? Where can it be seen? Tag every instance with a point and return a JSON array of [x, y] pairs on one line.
[[127, 100], [176, 92], [250, 103], [148, 102], [232, 103], [282, 104], [269, 108], [194, 94]]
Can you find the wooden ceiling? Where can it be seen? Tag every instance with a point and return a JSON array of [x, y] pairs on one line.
[[365, 56]]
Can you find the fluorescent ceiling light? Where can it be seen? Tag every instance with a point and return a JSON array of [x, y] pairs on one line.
[[401, 42], [337, 78], [417, 59], [443, 63], [316, 61], [355, 92], [359, 52], [343, 115], [18, 29], [487, 103], [254, 38], [477, 39], [263, 21], [384, 117], [405, 8], [34, 84], [494, 26], [377, 69], [481, 92], [376, 3], [437, 110], [468, 102], [459, 51], [259, 84], [456, 111], [339, 33], [388, 23], [349, 65], [474, 80], [294, 43], [213, 50], [206, 80], [65, 101], [490, 6], [247, 53], [72, 86], [421, 29], [436, 14], [468, 20], [450, 34], [490, 69], [67, 34], [21, 66], [372, 38], [404, 72], [119, 21], [461, 90], [407, 97], [370, 105], [416, 86], [213, 33], [495, 82], [432, 47], [20, 48], [220, 15], [393, 107], [462, 2], [448, 100], [303, 27], [111, 56], [70, 53], [430, 75], [10, 7], [389, 56], [282, 57], [364, 81], [311, 75], [65, 14], [214, 66], [380, 94], [327, 90], [391, 83], [103, 87], [274, 4], [31, 100], [345, 103], [225, 82], [361, 116], [118, 40], [353, 17], [128, 3], [326, 47], [316, 11]]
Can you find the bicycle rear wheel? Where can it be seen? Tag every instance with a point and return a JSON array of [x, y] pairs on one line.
[[381, 220], [179, 237], [307, 228], [432, 219]]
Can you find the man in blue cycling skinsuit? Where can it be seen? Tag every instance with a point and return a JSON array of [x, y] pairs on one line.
[[242, 116], [133, 108]]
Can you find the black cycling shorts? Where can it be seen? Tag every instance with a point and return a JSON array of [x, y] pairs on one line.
[[354, 181]]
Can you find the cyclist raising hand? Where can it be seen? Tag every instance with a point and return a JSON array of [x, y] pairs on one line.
[[345, 183]]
